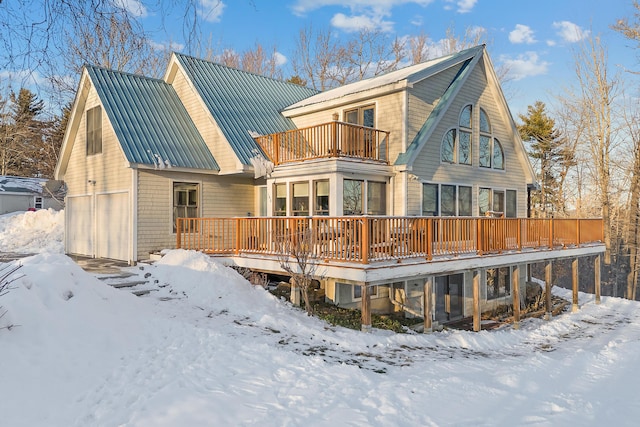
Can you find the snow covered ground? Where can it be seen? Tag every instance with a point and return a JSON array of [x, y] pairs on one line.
[[208, 349]]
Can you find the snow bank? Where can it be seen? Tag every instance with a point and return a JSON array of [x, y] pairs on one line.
[[32, 232]]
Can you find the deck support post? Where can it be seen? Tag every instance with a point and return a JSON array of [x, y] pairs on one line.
[[366, 308], [476, 301], [596, 269], [547, 289], [428, 325], [574, 282], [516, 296], [295, 292]]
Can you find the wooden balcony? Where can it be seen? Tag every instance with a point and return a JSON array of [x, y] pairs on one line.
[[329, 140], [369, 239]]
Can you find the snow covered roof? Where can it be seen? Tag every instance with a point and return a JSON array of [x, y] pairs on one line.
[[18, 184], [411, 74]]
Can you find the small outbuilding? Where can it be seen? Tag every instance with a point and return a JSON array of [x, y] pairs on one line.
[[22, 194]]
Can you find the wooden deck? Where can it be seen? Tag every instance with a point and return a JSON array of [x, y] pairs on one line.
[[328, 140], [371, 239]]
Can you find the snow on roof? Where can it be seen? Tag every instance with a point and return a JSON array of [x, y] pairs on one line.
[[18, 184], [367, 84]]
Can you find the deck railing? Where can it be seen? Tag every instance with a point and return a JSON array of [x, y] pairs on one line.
[[368, 239], [333, 139]]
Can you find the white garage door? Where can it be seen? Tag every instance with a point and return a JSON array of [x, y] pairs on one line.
[[79, 225], [112, 225]]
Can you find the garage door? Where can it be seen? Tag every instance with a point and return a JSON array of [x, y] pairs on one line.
[[112, 226], [79, 229]]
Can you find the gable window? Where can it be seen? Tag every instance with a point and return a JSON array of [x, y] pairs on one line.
[[456, 144], [446, 200], [280, 200], [321, 202], [185, 201], [490, 149], [300, 199], [498, 282], [94, 130]]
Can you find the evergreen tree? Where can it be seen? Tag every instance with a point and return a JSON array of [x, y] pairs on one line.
[[547, 147]]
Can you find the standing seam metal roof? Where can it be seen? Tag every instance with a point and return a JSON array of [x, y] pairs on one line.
[[241, 102], [152, 125]]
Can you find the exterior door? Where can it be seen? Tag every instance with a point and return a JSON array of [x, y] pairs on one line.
[[449, 297]]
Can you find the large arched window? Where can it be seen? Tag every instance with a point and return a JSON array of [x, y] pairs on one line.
[[456, 143], [490, 149]]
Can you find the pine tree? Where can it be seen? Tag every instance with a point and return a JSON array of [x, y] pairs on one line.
[[547, 147]]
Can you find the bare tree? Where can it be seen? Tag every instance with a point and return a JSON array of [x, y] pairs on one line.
[[297, 257], [633, 211]]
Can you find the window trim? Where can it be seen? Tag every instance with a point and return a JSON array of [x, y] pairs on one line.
[[93, 130], [507, 291], [360, 113], [188, 186], [439, 198]]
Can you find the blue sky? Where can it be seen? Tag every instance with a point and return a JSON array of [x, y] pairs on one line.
[[533, 39]]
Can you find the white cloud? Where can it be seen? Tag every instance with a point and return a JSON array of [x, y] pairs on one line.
[[134, 7], [551, 42], [570, 32], [527, 64], [351, 24], [280, 58], [465, 6], [522, 34], [211, 10], [363, 14]]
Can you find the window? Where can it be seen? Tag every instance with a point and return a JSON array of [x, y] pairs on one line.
[[262, 201], [94, 131], [300, 199], [321, 191], [364, 116], [376, 198], [352, 197], [37, 202], [430, 200], [498, 155], [511, 208], [498, 282], [490, 149], [456, 144], [490, 200], [446, 200], [280, 200], [357, 292], [185, 201]]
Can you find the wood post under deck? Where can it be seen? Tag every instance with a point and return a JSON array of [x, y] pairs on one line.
[[366, 308], [574, 282], [428, 289], [516, 296], [547, 289], [476, 301], [596, 267]]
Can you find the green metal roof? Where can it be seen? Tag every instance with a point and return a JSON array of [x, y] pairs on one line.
[[152, 125], [243, 102]]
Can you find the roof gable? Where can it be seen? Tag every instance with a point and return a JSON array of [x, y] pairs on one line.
[[152, 125], [242, 102]]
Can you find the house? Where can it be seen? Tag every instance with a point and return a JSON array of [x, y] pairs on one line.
[[23, 193], [413, 185]]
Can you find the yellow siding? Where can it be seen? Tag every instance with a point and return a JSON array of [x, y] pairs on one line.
[[428, 167], [205, 124], [109, 169], [220, 196]]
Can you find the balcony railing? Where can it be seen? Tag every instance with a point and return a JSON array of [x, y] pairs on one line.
[[372, 238], [333, 139]]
